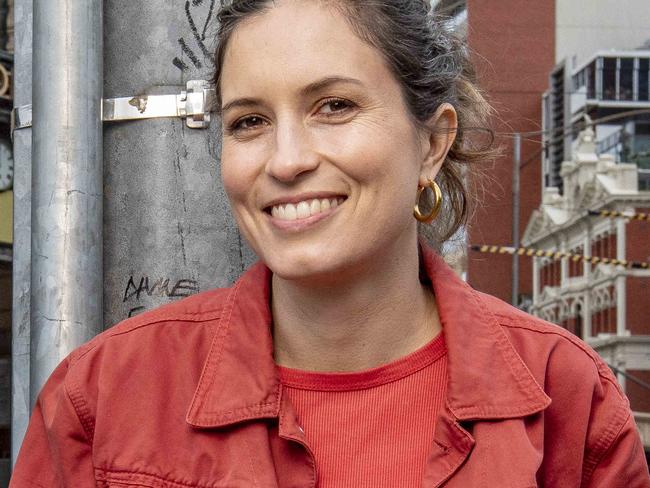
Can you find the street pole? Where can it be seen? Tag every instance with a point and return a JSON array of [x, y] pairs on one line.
[[21, 270], [66, 224], [516, 168]]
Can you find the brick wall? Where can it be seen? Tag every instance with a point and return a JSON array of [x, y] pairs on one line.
[[513, 43], [638, 288]]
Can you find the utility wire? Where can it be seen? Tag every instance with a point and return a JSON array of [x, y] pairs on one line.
[[565, 131], [629, 377], [581, 125]]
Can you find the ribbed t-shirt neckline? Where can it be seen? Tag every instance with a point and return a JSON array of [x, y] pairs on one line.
[[368, 378]]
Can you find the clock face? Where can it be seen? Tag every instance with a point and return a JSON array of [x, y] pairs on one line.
[[6, 166]]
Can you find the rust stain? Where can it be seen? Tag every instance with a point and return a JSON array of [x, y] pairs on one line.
[[139, 102]]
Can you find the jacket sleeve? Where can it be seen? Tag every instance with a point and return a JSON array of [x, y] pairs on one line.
[[56, 451], [623, 464]]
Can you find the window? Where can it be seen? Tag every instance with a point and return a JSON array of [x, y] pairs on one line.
[[644, 180], [643, 78], [591, 80], [609, 78], [626, 80], [641, 150], [579, 80], [642, 128]]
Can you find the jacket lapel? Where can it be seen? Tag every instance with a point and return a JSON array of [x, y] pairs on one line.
[[487, 379], [239, 380]]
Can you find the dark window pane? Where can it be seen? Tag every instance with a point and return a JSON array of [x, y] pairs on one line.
[[643, 78], [609, 78], [644, 180], [591, 80], [641, 146], [626, 85]]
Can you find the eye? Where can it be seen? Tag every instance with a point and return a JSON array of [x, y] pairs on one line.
[[249, 122], [335, 106]]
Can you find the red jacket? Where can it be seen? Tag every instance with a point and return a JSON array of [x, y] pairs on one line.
[[188, 396]]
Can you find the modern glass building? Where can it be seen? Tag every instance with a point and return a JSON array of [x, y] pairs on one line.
[[610, 89]]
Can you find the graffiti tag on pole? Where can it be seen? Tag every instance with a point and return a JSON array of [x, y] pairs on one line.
[[193, 12], [137, 289]]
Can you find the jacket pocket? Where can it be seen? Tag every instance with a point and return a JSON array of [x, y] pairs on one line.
[[130, 479]]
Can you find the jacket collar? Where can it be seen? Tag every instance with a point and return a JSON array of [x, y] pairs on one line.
[[239, 379], [486, 377]]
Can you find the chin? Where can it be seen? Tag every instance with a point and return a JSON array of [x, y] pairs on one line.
[[303, 267]]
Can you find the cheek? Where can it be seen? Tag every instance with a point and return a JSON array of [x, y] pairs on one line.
[[375, 152], [237, 173]]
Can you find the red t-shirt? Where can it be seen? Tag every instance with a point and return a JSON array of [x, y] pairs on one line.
[[372, 428]]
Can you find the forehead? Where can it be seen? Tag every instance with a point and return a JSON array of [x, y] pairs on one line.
[[293, 44]]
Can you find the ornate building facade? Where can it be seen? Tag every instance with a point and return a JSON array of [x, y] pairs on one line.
[[605, 305]]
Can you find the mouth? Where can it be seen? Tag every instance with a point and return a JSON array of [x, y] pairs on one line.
[[304, 209]]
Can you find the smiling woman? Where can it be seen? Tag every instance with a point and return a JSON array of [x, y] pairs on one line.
[[350, 355]]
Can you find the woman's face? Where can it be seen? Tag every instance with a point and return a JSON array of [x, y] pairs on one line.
[[320, 160]]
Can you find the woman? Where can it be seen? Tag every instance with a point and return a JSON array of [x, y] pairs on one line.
[[353, 356]]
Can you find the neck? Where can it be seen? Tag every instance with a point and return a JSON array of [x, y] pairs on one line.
[[350, 324]]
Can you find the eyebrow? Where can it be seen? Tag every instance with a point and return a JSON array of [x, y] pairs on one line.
[[307, 90], [240, 102], [327, 82]]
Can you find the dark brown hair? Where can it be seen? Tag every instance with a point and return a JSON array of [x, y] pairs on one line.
[[432, 66]]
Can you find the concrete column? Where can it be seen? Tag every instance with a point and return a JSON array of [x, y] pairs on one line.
[[564, 264], [168, 230]]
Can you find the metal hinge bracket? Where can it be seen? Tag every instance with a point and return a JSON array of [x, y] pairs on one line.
[[193, 104]]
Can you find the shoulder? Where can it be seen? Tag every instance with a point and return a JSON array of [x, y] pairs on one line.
[[574, 375], [587, 402], [157, 356], [539, 341], [195, 312], [146, 355]]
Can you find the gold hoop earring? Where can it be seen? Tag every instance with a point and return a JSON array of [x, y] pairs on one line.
[[437, 202]]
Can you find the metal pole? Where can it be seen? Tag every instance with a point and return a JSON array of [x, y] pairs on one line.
[[22, 77], [516, 167], [168, 231], [66, 291], [621, 299], [586, 300]]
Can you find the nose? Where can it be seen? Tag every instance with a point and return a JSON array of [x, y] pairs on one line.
[[292, 154]]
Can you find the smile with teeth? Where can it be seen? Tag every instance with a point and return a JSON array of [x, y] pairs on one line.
[[304, 209]]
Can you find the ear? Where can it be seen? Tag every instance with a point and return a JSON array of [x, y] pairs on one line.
[[437, 140]]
